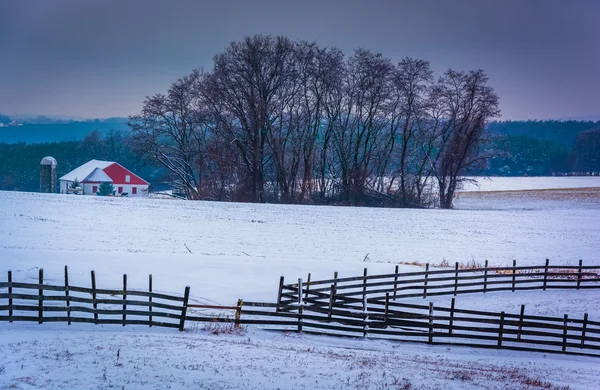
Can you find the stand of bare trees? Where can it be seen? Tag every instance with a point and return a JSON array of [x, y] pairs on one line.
[[291, 122]]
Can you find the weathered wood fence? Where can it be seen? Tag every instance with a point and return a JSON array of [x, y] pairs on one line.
[[446, 282], [345, 308], [366, 306], [40, 302], [389, 320]]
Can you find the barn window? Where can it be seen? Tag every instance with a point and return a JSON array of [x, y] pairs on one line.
[[94, 189], [134, 190], [127, 178], [120, 190]]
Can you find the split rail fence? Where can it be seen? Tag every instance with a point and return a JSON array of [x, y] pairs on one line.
[[39, 302], [446, 282], [431, 324], [364, 306]]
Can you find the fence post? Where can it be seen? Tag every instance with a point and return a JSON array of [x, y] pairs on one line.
[[300, 291], [238, 313], [94, 303], [364, 283], [501, 330], [583, 329], [395, 281], [430, 340], [186, 297], [10, 300], [124, 298], [67, 299], [451, 315], [564, 343], [307, 286], [546, 273], [425, 282], [521, 315], [41, 298], [514, 274], [579, 275], [150, 300], [331, 300], [279, 294], [485, 272], [455, 278], [335, 276], [365, 315], [300, 303], [387, 305]]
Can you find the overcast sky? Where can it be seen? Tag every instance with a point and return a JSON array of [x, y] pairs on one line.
[[95, 58]]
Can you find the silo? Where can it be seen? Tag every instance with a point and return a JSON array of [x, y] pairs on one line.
[[48, 182]]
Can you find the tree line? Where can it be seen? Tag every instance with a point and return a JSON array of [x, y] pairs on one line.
[[551, 148], [277, 120], [517, 154]]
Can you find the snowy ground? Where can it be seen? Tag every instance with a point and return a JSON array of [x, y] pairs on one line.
[[240, 250], [138, 358]]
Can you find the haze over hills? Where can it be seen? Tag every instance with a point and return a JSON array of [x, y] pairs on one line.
[[40, 129], [31, 128]]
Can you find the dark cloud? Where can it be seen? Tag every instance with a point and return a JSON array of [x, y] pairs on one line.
[[101, 58]]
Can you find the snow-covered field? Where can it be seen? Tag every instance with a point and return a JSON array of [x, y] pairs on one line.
[[240, 250]]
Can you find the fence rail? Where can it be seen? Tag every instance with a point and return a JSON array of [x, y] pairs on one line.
[[446, 282], [40, 302]]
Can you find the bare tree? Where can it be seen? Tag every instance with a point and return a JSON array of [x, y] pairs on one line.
[[467, 103], [244, 93], [360, 127], [171, 130]]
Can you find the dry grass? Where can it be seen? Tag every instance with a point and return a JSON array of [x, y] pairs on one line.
[[218, 327], [557, 273], [471, 264], [477, 374], [568, 194]]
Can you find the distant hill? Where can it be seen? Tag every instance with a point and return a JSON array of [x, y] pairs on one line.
[[558, 131], [39, 129], [44, 129]]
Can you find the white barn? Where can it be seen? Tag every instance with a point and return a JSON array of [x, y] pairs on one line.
[[95, 172]]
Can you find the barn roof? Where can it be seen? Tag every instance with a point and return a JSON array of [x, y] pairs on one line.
[[86, 169], [97, 176]]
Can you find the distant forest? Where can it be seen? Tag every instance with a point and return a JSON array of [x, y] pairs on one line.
[[544, 148], [533, 148]]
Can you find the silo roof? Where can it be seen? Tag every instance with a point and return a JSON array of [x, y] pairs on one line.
[[97, 176], [48, 161]]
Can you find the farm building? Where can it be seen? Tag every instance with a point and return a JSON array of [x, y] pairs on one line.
[[92, 174]]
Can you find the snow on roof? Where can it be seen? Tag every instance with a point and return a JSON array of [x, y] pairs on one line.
[[97, 176], [48, 160], [84, 170]]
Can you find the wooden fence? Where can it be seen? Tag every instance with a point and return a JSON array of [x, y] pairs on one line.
[[357, 311], [365, 306], [39, 302], [445, 282], [389, 320]]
